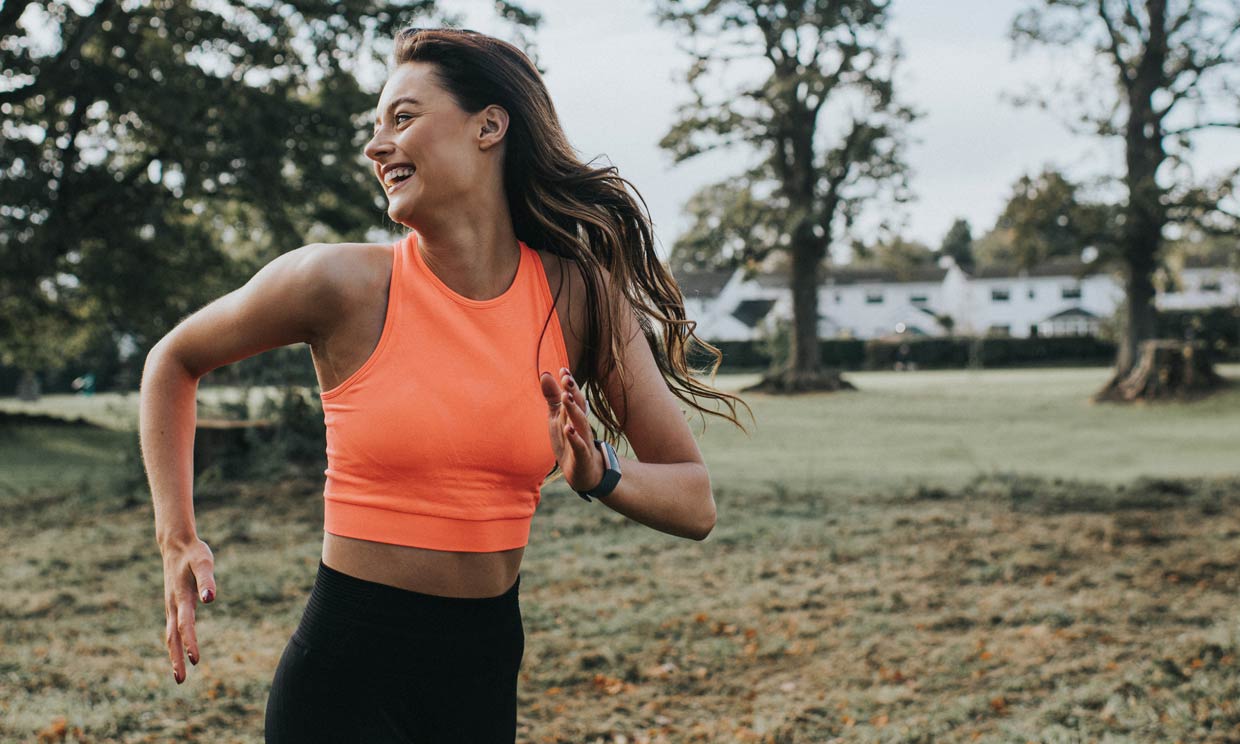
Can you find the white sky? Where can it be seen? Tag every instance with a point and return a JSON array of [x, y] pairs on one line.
[[612, 72]]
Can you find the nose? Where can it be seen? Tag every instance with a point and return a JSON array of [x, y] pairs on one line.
[[377, 147]]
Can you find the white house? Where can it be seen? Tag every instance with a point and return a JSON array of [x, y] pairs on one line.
[[1059, 297]]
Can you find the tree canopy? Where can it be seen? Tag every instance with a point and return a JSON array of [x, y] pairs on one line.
[[153, 154]]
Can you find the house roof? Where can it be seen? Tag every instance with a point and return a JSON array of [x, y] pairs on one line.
[[845, 274], [702, 283], [1072, 312], [751, 311], [1051, 267]]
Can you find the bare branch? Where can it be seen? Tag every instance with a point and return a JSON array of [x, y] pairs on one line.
[[1116, 43], [1203, 125]]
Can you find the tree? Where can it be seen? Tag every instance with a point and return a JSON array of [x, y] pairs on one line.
[[896, 254], [161, 151], [811, 181], [958, 243], [1168, 70], [1048, 217]]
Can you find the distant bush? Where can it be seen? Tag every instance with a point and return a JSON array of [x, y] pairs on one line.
[[954, 352], [1219, 327]]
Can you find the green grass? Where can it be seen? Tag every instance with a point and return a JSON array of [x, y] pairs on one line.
[[941, 585], [945, 427]]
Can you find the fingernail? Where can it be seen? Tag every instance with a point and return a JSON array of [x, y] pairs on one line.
[[571, 430], [176, 677], [193, 659], [207, 595]]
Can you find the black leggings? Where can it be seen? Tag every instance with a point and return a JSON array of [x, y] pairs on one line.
[[376, 663]]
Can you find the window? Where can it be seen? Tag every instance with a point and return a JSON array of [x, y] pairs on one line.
[[998, 295], [1032, 294], [1000, 330], [917, 298], [1071, 293], [1211, 286], [874, 298], [838, 298]]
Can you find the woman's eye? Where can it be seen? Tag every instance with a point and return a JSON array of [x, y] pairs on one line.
[[397, 117]]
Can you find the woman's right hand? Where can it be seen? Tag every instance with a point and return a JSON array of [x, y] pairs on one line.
[[189, 576]]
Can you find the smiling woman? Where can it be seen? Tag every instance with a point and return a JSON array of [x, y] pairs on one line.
[[454, 382]]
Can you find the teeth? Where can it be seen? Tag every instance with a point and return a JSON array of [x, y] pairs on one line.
[[390, 177]]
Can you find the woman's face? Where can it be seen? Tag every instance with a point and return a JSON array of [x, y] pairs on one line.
[[419, 126]]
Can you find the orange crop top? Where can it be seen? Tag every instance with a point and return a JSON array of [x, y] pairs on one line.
[[440, 439]]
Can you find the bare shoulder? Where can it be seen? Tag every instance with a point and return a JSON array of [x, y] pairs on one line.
[[347, 267], [302, 295]]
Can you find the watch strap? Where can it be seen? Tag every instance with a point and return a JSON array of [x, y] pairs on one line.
[[611, 475]]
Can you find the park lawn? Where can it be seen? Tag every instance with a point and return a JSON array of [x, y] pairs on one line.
[[972, 604]]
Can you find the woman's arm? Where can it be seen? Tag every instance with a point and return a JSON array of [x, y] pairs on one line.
[[290, 300], [668, 486]]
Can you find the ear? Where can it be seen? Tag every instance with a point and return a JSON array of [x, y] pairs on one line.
[[492, 126]]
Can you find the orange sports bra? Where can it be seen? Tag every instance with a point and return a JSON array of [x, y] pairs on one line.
[[440, 439]]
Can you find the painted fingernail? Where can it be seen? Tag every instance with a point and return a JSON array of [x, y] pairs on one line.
[[176, 676], [193, 659], [207, 595]]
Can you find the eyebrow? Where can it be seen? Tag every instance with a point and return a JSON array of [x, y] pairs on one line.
[[397, 102]]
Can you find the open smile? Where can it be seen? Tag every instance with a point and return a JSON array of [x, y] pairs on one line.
[[399, 184]]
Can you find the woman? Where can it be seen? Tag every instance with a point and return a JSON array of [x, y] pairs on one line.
[[437, 372]]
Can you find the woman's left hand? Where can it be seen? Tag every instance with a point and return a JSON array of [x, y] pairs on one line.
[[571, 437]]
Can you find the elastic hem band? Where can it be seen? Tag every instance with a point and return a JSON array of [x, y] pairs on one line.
[[425, 530]]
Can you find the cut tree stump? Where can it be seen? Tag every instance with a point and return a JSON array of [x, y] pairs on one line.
[[1166, 369], [784, 381]]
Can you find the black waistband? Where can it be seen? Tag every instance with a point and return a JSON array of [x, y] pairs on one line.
[[350, 616]]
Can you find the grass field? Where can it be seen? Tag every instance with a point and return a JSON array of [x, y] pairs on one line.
[[940, 556]]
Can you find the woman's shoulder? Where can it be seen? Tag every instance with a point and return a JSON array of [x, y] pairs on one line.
[[349, 267]]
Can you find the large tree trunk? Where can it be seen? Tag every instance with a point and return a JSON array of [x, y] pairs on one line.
[[803, 373], [1144, 214], [1167, 369]]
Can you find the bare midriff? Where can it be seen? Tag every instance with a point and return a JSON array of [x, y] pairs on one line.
[[445, 573]]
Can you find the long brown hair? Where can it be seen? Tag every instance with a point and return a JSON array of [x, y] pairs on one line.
[[576, 212]]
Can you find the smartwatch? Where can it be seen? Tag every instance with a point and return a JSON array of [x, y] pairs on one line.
[[611, 475]]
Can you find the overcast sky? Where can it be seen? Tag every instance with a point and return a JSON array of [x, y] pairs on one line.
[[612, 72]]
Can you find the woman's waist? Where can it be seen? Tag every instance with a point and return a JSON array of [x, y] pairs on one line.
[[454, 574]]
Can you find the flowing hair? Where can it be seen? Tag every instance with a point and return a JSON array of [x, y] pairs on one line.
[[576, 212]]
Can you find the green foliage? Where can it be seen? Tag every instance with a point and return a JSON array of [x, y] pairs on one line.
[[1218, 327], [777, 345], [897, 254], [958, 243], [1046, 217], [955, 352], [296, 441], [161, 151], [288, 440]]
